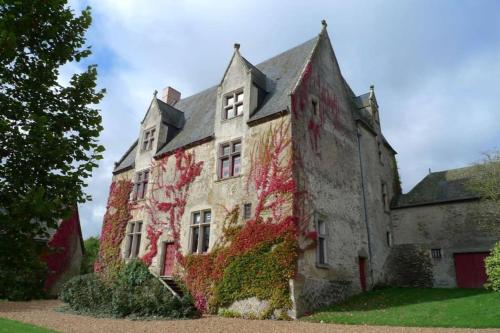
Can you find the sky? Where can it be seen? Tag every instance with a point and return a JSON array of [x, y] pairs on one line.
[[435, 66]]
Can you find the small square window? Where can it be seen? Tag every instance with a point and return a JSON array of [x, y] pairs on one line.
[[436, 253], [233, 105], [247, 211]]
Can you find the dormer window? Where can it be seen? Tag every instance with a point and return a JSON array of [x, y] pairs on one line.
[[233, 105], [148, 139]]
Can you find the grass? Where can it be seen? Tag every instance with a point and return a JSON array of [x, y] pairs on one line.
[[468, 308], [12, 326]]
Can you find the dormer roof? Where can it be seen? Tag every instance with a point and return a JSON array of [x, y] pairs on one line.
[[281, 73]]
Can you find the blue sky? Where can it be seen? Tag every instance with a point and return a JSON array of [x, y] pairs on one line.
[[435, 66]]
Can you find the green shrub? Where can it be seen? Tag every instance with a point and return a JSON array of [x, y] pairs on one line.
[[87, 293], [134, 292], [492, 263]]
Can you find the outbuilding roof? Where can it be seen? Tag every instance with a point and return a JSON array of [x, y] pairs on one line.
[[440, 187]]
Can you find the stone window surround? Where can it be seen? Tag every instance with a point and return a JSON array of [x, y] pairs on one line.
[[133, 239], [230, 157], [140, 184], [323, 236], [200, 227], [226, 107], [148, 138]]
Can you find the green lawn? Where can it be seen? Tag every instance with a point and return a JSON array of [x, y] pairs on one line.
[[11, 326], [472, 308]]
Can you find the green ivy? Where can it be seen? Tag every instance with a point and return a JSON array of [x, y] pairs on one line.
[[263, 273]]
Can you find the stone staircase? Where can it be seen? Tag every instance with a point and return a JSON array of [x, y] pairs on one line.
[[172, 285]]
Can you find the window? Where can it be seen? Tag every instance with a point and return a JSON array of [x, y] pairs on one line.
[[436, 253], [379, 147], [200, 231], [389, 238], [229, 159], [247, 211], [133, 239], [321, 245], [385, 197], [141, 184], [148, 139], [315, 107], [233, 105]]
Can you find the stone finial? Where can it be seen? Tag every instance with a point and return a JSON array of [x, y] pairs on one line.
[[324, 24], [155, 93], [236, 46]]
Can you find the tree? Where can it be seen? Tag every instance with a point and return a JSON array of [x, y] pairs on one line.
[[485, 181], [48, 132], [91, 251]]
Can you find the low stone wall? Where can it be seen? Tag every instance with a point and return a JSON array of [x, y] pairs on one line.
[[409, 265], [315, 294]]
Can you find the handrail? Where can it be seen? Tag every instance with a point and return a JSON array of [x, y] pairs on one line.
[[176, 295]]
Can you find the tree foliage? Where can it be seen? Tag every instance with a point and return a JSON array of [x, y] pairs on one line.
[[485, 181], [91, 251], [48, 131]]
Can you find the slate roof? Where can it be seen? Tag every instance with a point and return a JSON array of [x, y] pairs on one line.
[[281, 72], [128, 159], [439, 187]]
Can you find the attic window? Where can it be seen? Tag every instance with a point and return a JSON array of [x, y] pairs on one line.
[[148, 139], [233, 105]]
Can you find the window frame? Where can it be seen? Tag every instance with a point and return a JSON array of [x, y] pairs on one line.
[[141, 184], [230, 157], [385, 197], [319, 244], [200, 227], [148, 138], [226, 106], [133, 239]]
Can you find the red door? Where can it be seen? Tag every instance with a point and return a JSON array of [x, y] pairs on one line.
[[169, 259], [362, 272], [469, 269]]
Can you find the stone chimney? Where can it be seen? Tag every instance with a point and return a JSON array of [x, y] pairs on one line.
[[171, 96]]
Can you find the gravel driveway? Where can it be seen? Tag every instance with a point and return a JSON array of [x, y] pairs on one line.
[[41, 313]]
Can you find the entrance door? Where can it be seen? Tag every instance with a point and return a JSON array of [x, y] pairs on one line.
[[362, 272], [470, 270], [169, 259]]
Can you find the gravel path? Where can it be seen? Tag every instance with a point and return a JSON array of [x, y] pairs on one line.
[[41, 313]]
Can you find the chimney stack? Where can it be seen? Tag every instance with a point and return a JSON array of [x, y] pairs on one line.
[[171, 96]]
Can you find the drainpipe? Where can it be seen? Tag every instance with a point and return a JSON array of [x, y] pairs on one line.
[[358, 135]]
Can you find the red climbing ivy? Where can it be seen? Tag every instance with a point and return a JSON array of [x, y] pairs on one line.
[[167, 200], [264, 247], [328, 108], [63, 244], [114, 227]]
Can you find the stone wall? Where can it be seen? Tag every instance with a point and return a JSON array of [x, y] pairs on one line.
[[312, 294], [451, 227], [409, 266]]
